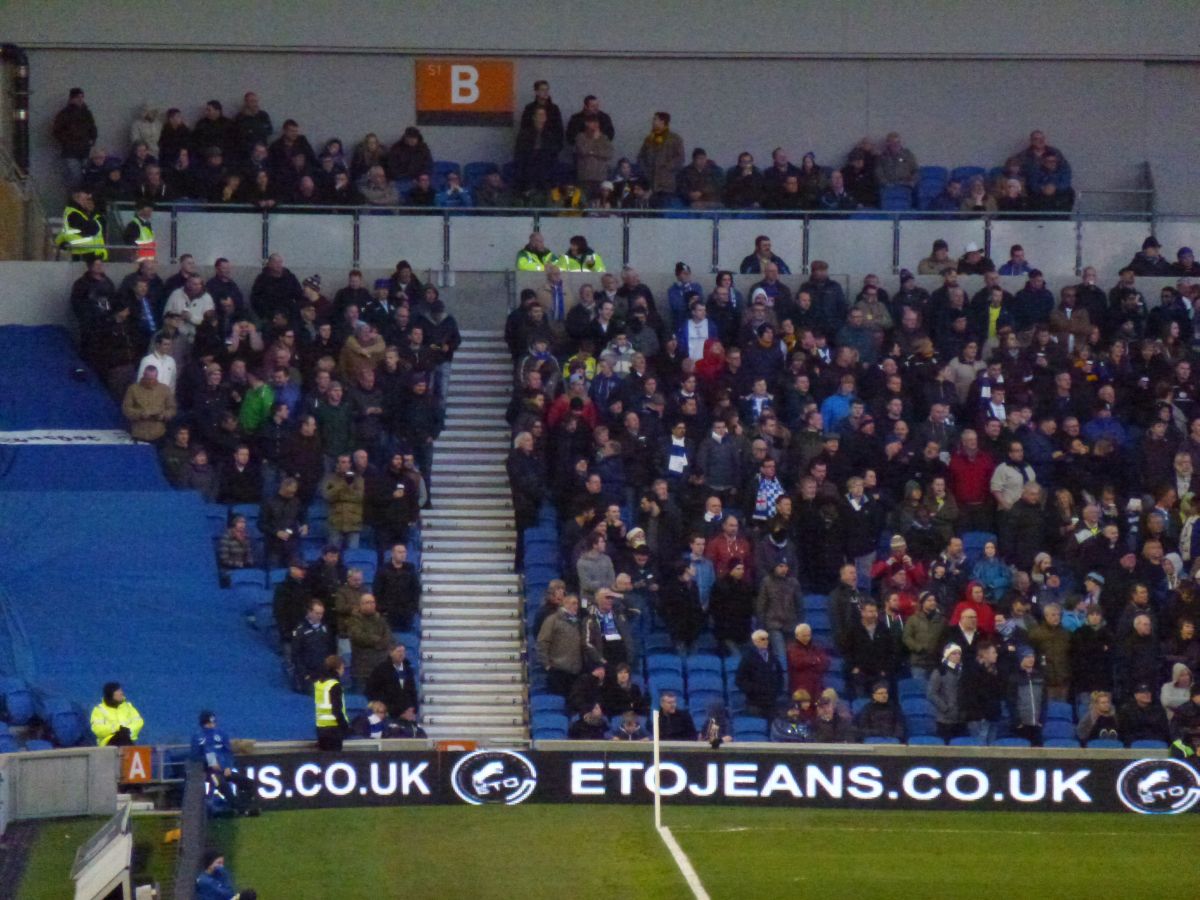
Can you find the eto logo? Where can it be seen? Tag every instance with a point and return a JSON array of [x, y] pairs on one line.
[[493, 776], [1159, 786]]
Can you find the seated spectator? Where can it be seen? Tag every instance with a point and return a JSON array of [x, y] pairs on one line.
[[829, 726], [793, 727], [377, 190], [977, 198], [860, 178], [1185, 263], [1149, 261], [374, 723], [590, 726], [1176, 692], [700, 182], [1016, 264], [880, 717], [1050, 186], [1013, 198], [1099, 723], [630, 729], [215, 883], [973, 262], [938, 261], [835, 197], [755, 263], [621, 695], [454, 195], [674, 722], [1142, 718], [950, 199], [421, 193], [115, 721], [1036, 153], [744, 186]]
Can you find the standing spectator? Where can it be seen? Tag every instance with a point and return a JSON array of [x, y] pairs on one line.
[[593, 154], [311, 644], [370, 639], [344, 490], [577, 124], [807, 663], [1027, 698], [777, 605], [74, 131], [397, 589], [1053, 642], [541, 102], [760, 676], [410, 156], [214, 130], [661, 158], [393, 683], [731, 607], [871, 654], [252, 125], [235, 551], [1150, 262], [279, 521], [560, 646], [536, 154], [923, 635], [982, 692], [148, 405], [897, 164], [330, 706], [943, 693]]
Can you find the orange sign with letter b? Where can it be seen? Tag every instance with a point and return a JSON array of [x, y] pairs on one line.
[[464, 92]]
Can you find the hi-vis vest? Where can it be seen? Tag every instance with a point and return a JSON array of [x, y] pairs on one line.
[[324, 703], [528, 261], [146, 246], [81, 244], [592, 262]]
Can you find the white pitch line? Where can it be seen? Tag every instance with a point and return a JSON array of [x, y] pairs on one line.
[[684, 864], [739, 828]]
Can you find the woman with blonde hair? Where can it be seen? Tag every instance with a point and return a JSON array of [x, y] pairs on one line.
[[1099, 723]]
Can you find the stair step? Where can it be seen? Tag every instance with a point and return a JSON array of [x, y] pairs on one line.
[[469, 595], [452, 464], [471, 654], [436, 589], [471, 716], [467, 580], [482, 629], [460, 644], [451, 700], [484, 541], [467, 562], [486, 507], [495, 431], [492, 735], [439, 612], [478, 678]]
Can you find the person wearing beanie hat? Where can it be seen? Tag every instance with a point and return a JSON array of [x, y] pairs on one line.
[[1027, 697], [115, 721], [942, 691], [212, 748], [215, 883]]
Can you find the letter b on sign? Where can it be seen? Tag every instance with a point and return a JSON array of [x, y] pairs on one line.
[[464, 84], [464, 92]]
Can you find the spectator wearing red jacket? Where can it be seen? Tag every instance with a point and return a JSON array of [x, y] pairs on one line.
[[970, 482], [973, 600]]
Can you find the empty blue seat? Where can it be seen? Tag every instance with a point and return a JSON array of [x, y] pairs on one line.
[[547, 703], [749, 723], [8, 744], [1010, 742], [699, 700], [549, 720], [703, 662], [920, 726], [926, 740], [966, 742], [475, 172], [1057, 728], [1105, 744], [818, 620], [966, 173], [1057, 709], [278, 576], [816, 602], [910, 688], [836, 682], [664, 662], [252, 577], [662, 682], [896, 197], [1148, 745], [974, 540], [933, 175], [881, 740], [549, 734], [916, 706], [16, 701], [37, 744], [1061, 743], [359, 556], [699, 719], [658, 640], [858, 705], [706, 681]]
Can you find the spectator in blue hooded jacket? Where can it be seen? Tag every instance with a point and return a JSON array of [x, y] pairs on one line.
[[215, 883], [211, 747]]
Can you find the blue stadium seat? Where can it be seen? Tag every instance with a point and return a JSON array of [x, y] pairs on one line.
[[664, 662], [816, 603], [858, 705], [16, 701], [818, 620], [916, 706], [62, 718], [938, 175], [549, 734], [706, 681], [881, 740], [703, 662], [926, 740], [837, 682], [966, 173], [910, 688], [37, 744], [1057, 709], [1105, 744], [656, 641], [700, 699], [662, 682], [921, 726], [475, 172], [251, 577], [278, 576], [8, 744], [547, 703], [1010, 742], [749, 728], [736, 700], [1061, 743], [549, 720], [1147, 745], [699, 719], [973, 542], [896, 197], [966, 742], [358, 557], [1057, 728]]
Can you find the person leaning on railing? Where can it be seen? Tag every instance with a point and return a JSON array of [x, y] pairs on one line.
[[82, 231]]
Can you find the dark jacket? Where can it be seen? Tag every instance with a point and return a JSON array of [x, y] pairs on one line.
[[731, 606], [1143, 723], [395, 687], [761, 680], [880, 720], [874, 656], [398, 593], [311, 644], [74, 131], [981, 694]]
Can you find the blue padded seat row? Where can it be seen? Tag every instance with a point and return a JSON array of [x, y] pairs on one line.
[[63, 719], [549, 734], [920, 726], [549, 720], [966, 742], [881, 740], [16, 701], [8, 744], [1057, 728], [703, 662], [1010, 742], [1147, 745], [547, 703], [1061, 743], [966, 173], [664, 662], [1058, 709], [1105, 744], [926, 740], [916, 706]]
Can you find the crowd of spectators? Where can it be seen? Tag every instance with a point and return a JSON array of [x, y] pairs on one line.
[[279, 401], [991, 496], [241, 159]]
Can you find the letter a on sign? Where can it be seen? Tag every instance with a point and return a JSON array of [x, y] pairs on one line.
[[135, 765], [464, 92]]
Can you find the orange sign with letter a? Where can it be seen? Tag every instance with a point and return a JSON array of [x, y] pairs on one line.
[[135, 765], [464, 92]]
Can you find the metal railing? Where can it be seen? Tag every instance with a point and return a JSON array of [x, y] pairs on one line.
[[357, 216], [33, 231]]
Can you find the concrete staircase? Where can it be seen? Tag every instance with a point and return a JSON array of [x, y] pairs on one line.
[[472, 669]]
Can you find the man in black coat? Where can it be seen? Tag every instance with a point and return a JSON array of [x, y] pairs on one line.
[[871, 654], [1142, 718], [397, 589], [279, 520], [528, 484], [312, 643], [392, 503], [289, 604], [394, 683], [760, 676], [276, 289]]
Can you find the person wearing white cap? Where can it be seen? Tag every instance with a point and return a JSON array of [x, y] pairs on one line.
[[942, 692], [974, 262]]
